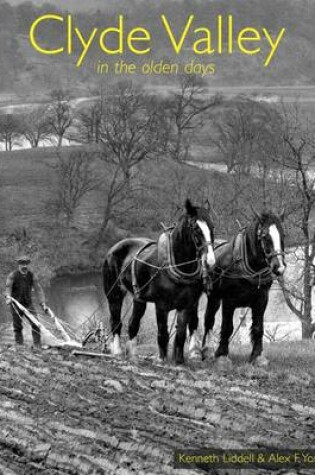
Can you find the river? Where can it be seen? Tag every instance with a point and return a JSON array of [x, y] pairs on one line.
[[275, 94]]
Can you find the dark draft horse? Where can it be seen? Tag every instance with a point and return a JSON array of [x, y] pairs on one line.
[[168, 272], [242, 277]]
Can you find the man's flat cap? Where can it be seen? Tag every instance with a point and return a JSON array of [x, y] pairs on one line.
[[23, 259]]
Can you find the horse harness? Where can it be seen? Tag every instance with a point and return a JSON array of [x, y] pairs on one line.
[[166, 263], [166, 260], [240, 257], [135, 285]]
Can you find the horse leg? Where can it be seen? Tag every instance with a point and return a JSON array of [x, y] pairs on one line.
[[163, 335], [194, 349], [226, 329], [115, 303], [257, 331], [133, 327], [180, 337], [115, 296], [209, 318]]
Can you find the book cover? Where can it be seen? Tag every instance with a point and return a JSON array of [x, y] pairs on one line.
[[157, 161]]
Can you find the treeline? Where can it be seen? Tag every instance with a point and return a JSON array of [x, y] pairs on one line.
[[170, 120]]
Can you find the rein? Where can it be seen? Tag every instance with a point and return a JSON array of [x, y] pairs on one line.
[[269, 255], [202, 246]]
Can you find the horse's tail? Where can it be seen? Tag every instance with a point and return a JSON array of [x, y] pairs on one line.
[[111, 282], [116, 267]]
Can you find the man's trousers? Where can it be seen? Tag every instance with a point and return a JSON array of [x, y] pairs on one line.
[[18, 316]]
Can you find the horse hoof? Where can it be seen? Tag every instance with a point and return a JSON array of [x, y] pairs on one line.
[[178, 361], [261, 362], [131, 351], [207, 353], [160, 360], [114, 351], [224, 362], [115, 348], [195, 355]]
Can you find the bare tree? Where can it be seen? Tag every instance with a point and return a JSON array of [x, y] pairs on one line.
[[185, 114], [243, 134], [90, 122], [9, 131], [132, 127], [297, 158], [77, 176], [118, 198], [181, 185], [35, 127], [60, 115], [247, 135]]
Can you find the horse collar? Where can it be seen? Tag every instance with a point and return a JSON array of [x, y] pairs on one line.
[[167, 261], [174, 269], [240, 256]]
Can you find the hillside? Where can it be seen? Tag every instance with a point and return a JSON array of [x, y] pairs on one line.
[[29, 190]]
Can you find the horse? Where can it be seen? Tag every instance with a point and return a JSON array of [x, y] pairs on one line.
[[242, 277], [171, 273]]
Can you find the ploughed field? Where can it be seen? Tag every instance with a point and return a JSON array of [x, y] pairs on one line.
[[66, 414]]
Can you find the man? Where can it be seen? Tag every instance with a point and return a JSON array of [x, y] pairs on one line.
[[19, 285]]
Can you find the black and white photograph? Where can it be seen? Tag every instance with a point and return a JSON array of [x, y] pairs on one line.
[[157, 242]]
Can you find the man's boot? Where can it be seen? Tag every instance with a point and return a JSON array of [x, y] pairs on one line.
[[18, 336], [36, 338]]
